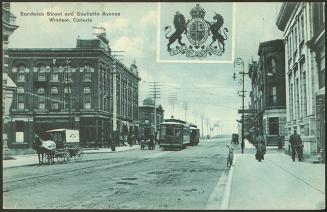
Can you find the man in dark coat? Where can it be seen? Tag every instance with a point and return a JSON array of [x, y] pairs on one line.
[[296, 146], [260, 146]]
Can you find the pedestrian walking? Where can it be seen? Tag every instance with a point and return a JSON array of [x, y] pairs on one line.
[[279, 142], [260, 146], [129, 140], [296, 146]]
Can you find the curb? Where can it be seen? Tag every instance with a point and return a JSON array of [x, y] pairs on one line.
[[111, 151], [225, 202], [32, 164]]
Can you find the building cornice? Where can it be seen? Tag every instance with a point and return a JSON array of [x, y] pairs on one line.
[[285, 14]]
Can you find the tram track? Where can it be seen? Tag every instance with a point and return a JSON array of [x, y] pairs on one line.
[[59, 175], [62, 174]]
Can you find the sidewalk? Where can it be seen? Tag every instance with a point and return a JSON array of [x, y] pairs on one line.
[[24, 160], [275, 183]]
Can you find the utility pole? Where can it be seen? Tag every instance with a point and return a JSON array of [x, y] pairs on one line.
[[239, 61], [155, 94], [202, 117], [185, 109], [172, 98], [68, 82], [207, 122], [114, 98]]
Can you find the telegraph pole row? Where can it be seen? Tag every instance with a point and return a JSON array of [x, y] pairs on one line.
[[172, 98]]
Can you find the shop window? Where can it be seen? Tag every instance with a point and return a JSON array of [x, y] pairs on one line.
[[19, 131]]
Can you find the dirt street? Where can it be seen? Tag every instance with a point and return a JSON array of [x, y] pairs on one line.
[[138, 179]]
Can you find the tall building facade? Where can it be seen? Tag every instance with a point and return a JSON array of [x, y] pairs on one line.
[[8, 86], [303, 24], [268, 91], [71, 88], [146, 118]]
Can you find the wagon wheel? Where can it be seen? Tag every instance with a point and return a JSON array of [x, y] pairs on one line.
[[79, 155], [67, 156], [60, 157]]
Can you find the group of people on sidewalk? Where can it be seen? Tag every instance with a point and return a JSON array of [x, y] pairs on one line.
[[295, 141]]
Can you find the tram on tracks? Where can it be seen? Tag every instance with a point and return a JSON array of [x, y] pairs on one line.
[[177, 134], [194, 135]]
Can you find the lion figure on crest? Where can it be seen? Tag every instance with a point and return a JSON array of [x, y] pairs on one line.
[[216, 33], [180, 28]]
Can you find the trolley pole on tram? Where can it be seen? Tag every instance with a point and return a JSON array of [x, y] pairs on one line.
[[239, 61]]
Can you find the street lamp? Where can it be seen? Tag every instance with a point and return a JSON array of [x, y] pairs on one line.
[[239, 61]]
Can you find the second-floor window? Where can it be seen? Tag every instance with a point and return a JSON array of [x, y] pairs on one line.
[[20, 98], [87, 98], [272, 65], [54, 98], [21, 74], [87, 73], [55, 74], [41, 98], [41, 73]]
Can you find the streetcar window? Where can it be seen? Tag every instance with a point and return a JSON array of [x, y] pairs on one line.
[[163, 131], [169, 131], [177, 132]]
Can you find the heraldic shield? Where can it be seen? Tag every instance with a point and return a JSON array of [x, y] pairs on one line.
[[197, 31]]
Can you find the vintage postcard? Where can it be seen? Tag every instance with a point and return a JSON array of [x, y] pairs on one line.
[[163, 105]]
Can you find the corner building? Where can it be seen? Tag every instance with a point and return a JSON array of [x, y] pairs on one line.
[[70, 88], [268, 91]]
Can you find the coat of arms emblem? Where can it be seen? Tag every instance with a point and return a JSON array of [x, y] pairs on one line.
[[197, 31]]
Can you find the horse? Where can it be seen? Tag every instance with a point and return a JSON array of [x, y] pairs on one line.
[[41, 150]]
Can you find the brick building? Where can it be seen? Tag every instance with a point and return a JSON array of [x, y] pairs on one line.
[[70, 88], [8, 86], [146, 117], [268, 90]]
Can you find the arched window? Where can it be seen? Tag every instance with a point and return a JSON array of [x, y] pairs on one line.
[[87, 98], [41, 98], [273, 65], [87, 75], [20, 98], [55, 74], [21, 74], [41, 73], [54, 98]]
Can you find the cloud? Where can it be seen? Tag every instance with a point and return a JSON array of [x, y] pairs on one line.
[[119, 24], [133, 45], [150, 18]]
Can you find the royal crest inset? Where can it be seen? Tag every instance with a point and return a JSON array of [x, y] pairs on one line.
[[197, 31]]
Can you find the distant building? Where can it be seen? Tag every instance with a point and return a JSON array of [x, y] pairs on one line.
[[70, 88], [268, 90], [8, 86], [146, 118], [303, 24]]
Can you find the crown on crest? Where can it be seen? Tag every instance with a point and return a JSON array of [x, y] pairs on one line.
[[198, 12]]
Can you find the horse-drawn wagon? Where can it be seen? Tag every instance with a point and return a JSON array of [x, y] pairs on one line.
[[67, 144], [64, 146]]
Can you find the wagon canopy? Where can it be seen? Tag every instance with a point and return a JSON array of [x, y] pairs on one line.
[[65, 135]]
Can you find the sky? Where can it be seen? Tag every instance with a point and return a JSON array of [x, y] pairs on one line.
[[208, 88]]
